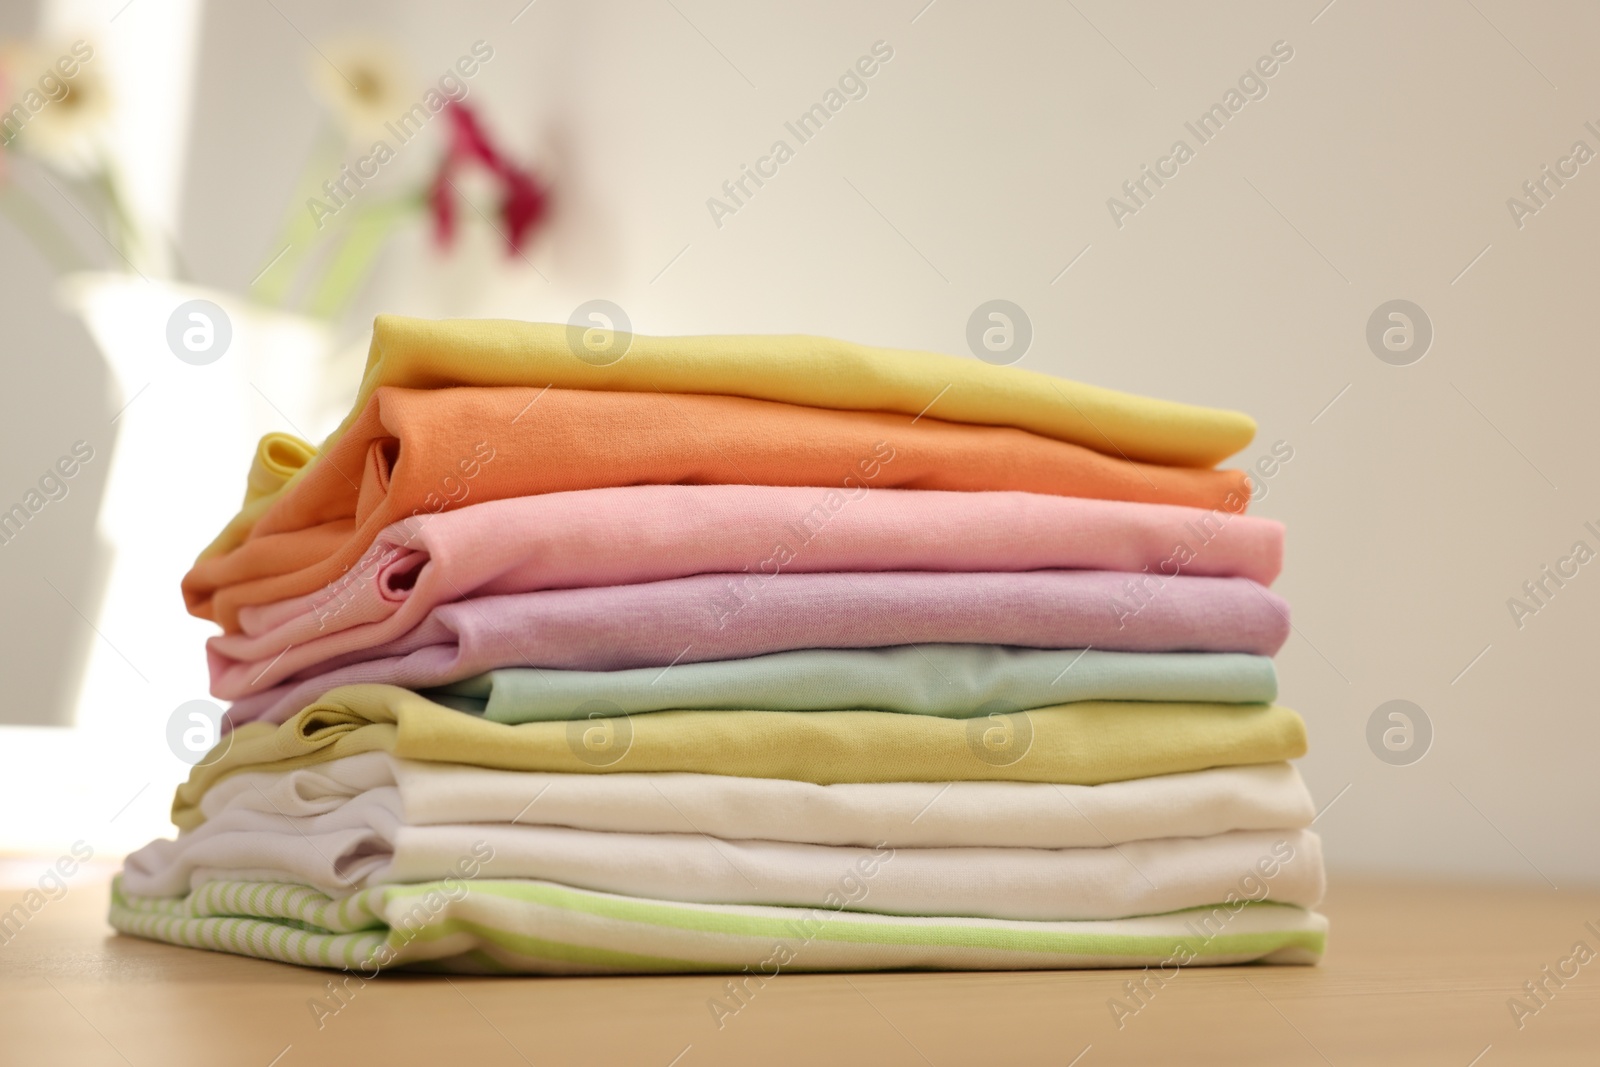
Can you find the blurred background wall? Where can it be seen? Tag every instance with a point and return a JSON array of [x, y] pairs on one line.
[[979, 164]]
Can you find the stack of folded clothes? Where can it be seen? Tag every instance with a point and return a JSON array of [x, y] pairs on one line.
[[746, 654]]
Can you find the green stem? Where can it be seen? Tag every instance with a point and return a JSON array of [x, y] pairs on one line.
[[126, 234], [299, 229], [363, 238], [37, 225]]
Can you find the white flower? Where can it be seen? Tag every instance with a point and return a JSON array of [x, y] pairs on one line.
[[363, 82], [58, 107]]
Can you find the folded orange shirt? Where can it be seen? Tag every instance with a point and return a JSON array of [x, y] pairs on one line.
[[416, 452], [813, 371]]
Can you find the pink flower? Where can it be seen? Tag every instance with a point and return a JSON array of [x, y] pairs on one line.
[[524, 201]]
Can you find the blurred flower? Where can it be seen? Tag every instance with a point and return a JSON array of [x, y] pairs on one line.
[[364, 83], [524, 201], [524, 207], [5, 136], [60, 120]]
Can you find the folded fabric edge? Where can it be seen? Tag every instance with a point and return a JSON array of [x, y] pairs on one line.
[[1154, 429], [531, 927], [1164, 432]]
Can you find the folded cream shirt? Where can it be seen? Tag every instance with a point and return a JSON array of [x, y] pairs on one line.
[[1112, 882], [1268, 796]]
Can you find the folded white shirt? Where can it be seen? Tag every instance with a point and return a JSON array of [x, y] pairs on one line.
[[366, 843], [898, 814]]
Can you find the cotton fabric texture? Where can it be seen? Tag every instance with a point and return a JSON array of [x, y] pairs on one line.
[[632, 534], [417, 452], [811, 371], [739, 654], [1085, 743], [954, 681], [691, 620], [531, 927], [367, 846], [1268, 796]]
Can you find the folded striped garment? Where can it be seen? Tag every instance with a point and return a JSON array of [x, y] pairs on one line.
[[814, 371], [594, 537], [707, 617], [418, 452], [1268, 796], [1084, 743], [531, 927]]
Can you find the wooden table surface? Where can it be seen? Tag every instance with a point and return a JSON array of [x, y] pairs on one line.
[[1415, 974]]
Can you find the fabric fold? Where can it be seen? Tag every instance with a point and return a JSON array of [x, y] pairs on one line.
[[812, 371], [573, 651], [1109, 882], [710, 617], [530, 927], [953, 681], [417, 452], [1267, 796], [1085, 743], [595, 537]]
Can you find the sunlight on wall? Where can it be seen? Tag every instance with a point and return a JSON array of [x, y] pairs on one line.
[[107, 779]]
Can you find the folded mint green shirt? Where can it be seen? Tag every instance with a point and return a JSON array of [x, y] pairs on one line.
[[952, 681]]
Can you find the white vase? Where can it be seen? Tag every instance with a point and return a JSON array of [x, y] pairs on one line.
[[185, 435], [178, 451]]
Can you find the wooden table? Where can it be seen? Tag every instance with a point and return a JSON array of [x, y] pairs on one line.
[[1415, 975]]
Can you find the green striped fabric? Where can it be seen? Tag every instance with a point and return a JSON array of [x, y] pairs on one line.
[[532, 927]]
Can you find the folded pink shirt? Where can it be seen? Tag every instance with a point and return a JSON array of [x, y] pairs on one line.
[[720, 616], [621, 536]]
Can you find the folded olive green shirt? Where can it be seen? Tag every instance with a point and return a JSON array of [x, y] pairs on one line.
[[1081, 744], [811, 371]]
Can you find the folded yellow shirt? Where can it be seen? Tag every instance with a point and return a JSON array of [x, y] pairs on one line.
[[812, 371], [1080, 744]]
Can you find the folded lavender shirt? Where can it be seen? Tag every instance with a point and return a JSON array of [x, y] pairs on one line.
[[647, 533], [709, 617]]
